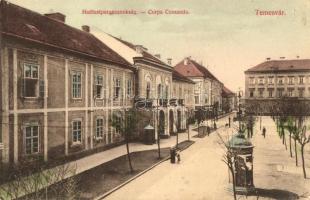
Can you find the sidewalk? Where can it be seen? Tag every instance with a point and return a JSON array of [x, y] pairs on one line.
[[274, 169], [100, 158]]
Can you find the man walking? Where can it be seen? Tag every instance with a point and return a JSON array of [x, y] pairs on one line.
[[264, 132]]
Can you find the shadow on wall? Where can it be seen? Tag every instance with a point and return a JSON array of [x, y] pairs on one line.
[[275, 194]]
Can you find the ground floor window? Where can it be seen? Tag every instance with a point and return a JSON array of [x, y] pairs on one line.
[[99, 128], [31, 133], [77, 131]]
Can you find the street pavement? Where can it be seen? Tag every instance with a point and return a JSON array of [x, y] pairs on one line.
[[202, 175]]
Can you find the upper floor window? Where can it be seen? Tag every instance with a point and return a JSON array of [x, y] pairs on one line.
[[148, 90], [290, 80], [301, 92], [129, 87], [31, 80], [159, 91], [31, 135], [166, 92], [117, 87], [270, 93], [301, 79], [99, 86], [280, 92], [261, 80], [280, 80], [270, 80], [99, 128], [290, 92], [76, 85], [261, 92], [251, 92], [77, 131], [252, 80], [196, 99]]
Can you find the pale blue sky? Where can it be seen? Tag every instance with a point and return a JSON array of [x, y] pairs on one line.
[[226, 35]]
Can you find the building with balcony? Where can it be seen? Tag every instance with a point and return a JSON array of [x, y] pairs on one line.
[[208, 89], [155, 80], [273, 80], [59, 87]]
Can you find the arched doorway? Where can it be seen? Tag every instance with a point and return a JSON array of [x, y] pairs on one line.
[[171, 122], [179, 121], [161, 123]]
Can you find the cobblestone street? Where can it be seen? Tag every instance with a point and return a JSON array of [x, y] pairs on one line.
[[202, 175]]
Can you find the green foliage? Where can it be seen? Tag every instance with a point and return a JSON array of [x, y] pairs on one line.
[[126, 122]]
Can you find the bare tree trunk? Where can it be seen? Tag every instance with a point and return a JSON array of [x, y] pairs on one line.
[[128, 153], [158, 144], [303, 160], [291, 145], [296, 157], [177, 139], [284, 141], [233, 182], [198, 130]]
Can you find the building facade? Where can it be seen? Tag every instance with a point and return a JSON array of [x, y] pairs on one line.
[[208, 89], [273, 80], [58, 91], [229, 100], [163, 107]]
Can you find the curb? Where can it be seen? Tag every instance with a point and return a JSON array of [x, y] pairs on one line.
[[136, 176]]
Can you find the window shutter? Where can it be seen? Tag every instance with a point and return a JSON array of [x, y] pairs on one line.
[[41, 89]]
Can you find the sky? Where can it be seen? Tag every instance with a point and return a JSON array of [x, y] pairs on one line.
[[226, 36]]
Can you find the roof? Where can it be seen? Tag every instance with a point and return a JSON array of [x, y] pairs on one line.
[[193, 69], [281, 65], [26, 24], [145, 54], [179, 77], [227, 92]]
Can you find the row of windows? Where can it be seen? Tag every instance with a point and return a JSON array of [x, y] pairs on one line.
[[280, 92], [33, 87], [31, 134], [280, 80]]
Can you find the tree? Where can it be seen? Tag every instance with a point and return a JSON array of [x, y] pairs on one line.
[[290, 126], [303, 138], [229, 158], [126, 124]]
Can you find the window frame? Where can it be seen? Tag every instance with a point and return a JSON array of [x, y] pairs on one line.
[[97, 84], [73, 73], [31, 78], [73, 131], [129, 87], [116, 85], [101, 127], [31, 126]]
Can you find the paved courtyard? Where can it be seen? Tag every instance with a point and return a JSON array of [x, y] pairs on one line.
[[202, 175]]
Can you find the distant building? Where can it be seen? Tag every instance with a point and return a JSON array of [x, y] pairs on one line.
[[277, 79], [229, 100], [208, 89]]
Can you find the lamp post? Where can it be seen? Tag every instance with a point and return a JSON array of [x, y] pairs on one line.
[[239, 108]]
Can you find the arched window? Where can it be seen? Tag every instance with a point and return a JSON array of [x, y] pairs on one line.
[[159, 91], [148, 90]]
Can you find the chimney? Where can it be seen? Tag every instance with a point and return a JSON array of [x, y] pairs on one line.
[[267, 58], [186, 61], [169, 61], [86, 28], [140, 48], [282, 58], [157, 56], [56, 16]]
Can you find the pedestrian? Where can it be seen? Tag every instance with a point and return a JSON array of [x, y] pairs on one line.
[[178, 157], [264, 132]]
